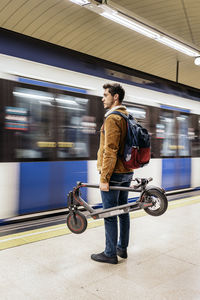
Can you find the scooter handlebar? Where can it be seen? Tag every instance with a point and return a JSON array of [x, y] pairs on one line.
[[141, 182], [116, 188]]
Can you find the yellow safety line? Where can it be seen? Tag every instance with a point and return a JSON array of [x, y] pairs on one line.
[[18, 239]]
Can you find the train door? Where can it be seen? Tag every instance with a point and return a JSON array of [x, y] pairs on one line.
[[68, 144], [175, 149], [195, 149], [48, 131]]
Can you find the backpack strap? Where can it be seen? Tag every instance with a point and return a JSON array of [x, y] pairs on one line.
[[115, 113], [127, 119], [123, 115], [119, 114]]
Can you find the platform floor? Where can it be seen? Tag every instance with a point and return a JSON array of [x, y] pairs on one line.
[[163, 262]]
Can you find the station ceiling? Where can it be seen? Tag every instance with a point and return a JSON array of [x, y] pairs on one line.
[[64, 23]]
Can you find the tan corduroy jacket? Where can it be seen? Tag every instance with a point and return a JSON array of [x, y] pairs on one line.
[[112, 139]]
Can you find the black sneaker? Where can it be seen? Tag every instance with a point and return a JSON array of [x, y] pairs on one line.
[[101, 257], [122, 253]]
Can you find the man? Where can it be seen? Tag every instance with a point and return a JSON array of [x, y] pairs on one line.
[[110, 166]]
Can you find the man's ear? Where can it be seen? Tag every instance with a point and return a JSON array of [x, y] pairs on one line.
[[116, 97]]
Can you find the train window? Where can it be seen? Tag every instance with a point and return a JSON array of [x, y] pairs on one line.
[[197, 139], [194, 135], [167, 124], [73, 124], [183, 137], [137, 112], [36, 140]]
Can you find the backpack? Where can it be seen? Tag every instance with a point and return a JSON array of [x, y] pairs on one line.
[[137, 144]]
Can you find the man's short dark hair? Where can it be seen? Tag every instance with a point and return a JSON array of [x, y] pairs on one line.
[[115, 89]]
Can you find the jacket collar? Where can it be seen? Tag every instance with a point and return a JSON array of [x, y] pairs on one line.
[[115, 108]]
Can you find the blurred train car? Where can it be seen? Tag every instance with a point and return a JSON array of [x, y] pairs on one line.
[[50, 122]]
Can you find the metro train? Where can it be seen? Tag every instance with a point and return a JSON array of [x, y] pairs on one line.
[[50, 122]]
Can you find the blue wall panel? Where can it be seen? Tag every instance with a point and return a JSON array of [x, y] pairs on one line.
[[176, 173], [78, 172], [45, 185], [184, 172], [169, 174], [34, 181]]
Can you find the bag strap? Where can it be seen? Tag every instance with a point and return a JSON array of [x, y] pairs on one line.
[[127, 119], [124, 116], [119, 114], [115, 113]]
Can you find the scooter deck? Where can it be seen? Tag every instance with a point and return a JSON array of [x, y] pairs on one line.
[[117, 210]]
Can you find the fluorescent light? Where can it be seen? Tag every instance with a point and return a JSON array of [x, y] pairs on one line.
[[119, 17], [159, 37], [197, 62], [71, 108], [67, 101], [81, 2], [32, 96], [116, 17], [177, 46]]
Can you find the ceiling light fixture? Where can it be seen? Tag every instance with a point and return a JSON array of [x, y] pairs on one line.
[[130, 24], [197, 61], [81, 2], [118, 16], [147, 31], [177, 46]]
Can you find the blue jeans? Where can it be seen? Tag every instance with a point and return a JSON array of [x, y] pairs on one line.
[[111, 199]]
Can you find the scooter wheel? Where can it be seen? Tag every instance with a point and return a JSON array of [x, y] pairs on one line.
[[159, 202], [76, 222]]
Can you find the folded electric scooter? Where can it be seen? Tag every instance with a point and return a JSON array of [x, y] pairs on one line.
[[152, 199]]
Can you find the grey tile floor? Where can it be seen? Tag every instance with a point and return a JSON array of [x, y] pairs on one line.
[[163, 263]]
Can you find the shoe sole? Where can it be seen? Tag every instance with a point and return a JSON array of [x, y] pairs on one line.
[[106, 262], [122, 256], [125, 257]]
